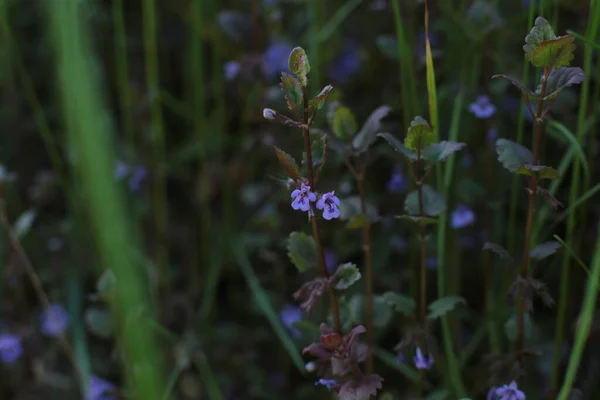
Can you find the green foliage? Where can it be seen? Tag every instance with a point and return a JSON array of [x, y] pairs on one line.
[[542, 171], [100, 322], [443, 306], [512, 155], [433, 202], [319, 100], [398, 146], [299, 65], [544, 250], [318, 146], [105, 285], [543, 49], [438, 152], [560, 79], [401, 303], [288, 163], [342, 121], [23, 224], [541, 32], [302, 250], [346, 275], [292, 91], [420, 135], [524, 89], [372, 126]]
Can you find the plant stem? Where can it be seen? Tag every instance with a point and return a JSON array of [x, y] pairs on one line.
[[368, 260], [532, 193], [335, 309], [423, 254]]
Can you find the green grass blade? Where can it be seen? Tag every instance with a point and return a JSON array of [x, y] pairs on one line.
[[208, 378], [122, 74], [580, 200], [570, 250], [589, 42], [265, 306], [337, 19], [558, 131]]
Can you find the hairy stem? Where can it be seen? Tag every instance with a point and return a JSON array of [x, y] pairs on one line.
[[335, 309], [532, 193]]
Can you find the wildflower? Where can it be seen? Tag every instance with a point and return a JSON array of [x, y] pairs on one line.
[[289, 315], [137, 178], [269, 114], [347, 63], [302, 198], [422, 362], [331, 261], [54, 320], [231, 69], [329, 203], [482, 108], [328, 383], [506, 392], [397, 183], [99, 389], [310, 366], [462, 216], [275, 58], [10, 348]]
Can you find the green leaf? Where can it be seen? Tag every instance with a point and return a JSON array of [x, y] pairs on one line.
[[342, 121], [524, 89], [288, 163], [433, 202], [99, 321], [24, 223], [319, 100], [401, 303], [443, 306], [541, 31], [382, 312], [438, 152], [367, 134], [420, 135], [292, 90], [512, 155], [418, 220], [543, 171], [298, 64], [398, 146], [346, 275], [560, 79], [499, 250], [554, 53], [544, 250], [302, 250]]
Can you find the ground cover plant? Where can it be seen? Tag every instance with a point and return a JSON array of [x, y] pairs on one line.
[[298, 199]]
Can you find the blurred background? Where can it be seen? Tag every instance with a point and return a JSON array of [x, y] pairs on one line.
[[144, 218]]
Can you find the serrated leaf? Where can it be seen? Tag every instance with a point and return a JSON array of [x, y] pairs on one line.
[[544, 250], [317, 102], [512, 155], [367, 134], [543, 171], [499, 250], [418, 220], [24, 222], [99, 321], [360, 389], [342, 121], [302, 250], [553, 53], [292, 90], [358, 221], [443, 306], [433, 202], [541, 31], [346, 275], [420, 135], [401, 303], [398, 146], [288, 163], [438, 152], [561, 78], [524, 89], [298, 64]]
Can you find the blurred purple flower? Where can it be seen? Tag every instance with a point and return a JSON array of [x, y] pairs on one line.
[[10, 348], [400, 358], [397, 183], [275, 58], [331, 261], [231, 69], [491, 135], [54, 321], [347, 63], [289, 315], [137, 178], [99, 389], [121, 170], [461, 217], [506, 392], [329, 203], [432, 262], [302, 198], [482, 107], [422, 362], [398, 243], [328, 383]]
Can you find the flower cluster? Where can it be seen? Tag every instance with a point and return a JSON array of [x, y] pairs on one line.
[[10, 348], [328, 202], [54, 321], [506, 392]]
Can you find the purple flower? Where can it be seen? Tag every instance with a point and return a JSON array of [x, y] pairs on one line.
[[275, 58], [231, 69], [462, 216], [482, 108], [347, 63], [54, 320], [400, 358], [506, 392], [331, 261], [329, 383], [422, 362], [289, 315], [99, 389], [397, 183], [329, 203], [121, 170], [137, 178], [302, 198], [10, 348]]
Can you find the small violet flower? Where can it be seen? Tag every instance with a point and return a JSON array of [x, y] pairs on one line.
[[302, 198], [275, 58], [329, 203], [99, 389], [10, 348], [231, 70], [137, 178], [54, 321], [482, 108], [397, 183], [328, 383], [289, 315], [347, 63], [422, 362], [506, 392], [331, 261], [461, 217]]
